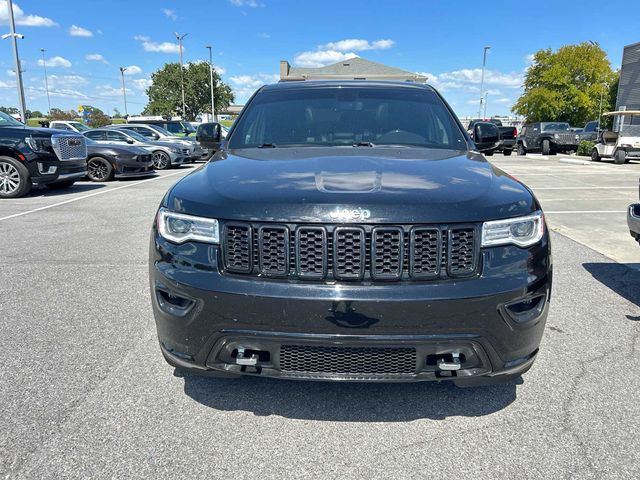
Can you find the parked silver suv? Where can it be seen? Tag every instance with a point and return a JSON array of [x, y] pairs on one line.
[[155, 133]]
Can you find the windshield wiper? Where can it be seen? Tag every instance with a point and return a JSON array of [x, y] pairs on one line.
[[267, 145], [364, 144]]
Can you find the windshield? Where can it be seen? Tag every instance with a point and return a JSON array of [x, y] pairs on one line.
[[8, 121], [135, 135], [161, 130], [555, 126], [188, 127], [334, 116], [81, 127]]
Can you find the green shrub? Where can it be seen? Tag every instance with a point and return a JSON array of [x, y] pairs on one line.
[[585, 147]]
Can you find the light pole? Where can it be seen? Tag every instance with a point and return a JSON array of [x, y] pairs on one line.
[[604, 87], [213, 106], [486, 96], [180, 38], [124, 91], [484, 62], [46, 81], [14, 36]]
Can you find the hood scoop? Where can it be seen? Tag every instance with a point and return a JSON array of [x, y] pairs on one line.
[[355, 182]]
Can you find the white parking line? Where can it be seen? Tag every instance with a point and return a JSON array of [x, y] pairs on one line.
[[583, 211], [90, 195], [632, 187]]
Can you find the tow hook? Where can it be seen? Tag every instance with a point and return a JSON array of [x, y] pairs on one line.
[[244, 359], [450, 366]]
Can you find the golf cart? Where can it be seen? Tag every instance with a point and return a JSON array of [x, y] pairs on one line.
[[622, 144]]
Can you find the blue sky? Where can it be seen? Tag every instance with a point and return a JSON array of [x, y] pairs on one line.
[[86, 42]]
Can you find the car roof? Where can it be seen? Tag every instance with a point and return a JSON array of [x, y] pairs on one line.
[[303, 84]]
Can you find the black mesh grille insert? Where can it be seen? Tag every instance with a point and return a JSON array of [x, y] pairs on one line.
[[237, 248], [348, 253], [316, 359], [387, 248], [426, 252], [462, 255], [273, 248], [311, 252]]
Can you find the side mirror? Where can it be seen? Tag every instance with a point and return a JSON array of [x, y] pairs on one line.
[[486, 136], [156, 136], [129, 140], [209, 133]]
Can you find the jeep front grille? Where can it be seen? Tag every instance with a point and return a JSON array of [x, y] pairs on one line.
[[351, 253], [69, 147], [566, 138]]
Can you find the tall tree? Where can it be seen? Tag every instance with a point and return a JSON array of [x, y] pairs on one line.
[[57, 114], [165, 93], [566, 85]]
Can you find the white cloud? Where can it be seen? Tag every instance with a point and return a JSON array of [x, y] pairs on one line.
[[4, 84], [141, 83], [76, 31], [109, 91], [165, 47], [503, 100], [56, 62], [320, 58], [245, 3], [468, 80], [96, 57], [67, 80], [170, 13], [264, 35], [357, 45], [339, 51], [245, 85], [22, 19], [132, 70]]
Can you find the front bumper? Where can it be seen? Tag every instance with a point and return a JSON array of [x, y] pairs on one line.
[[210, 321], [563, 147], [133, 168], [633, 220], [48, 169]]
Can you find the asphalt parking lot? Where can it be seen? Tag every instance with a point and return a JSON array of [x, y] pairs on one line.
[[85, 393]]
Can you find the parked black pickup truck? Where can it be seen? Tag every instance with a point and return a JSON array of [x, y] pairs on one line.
[[38, 156], [548, 138], [507, 136], [350, 230]]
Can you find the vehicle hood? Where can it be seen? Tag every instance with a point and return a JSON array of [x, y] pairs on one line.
[[159, 143], [395, 185], [42, 131], [117, 149]]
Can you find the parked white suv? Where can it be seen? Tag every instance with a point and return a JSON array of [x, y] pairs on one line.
[[69, 125]]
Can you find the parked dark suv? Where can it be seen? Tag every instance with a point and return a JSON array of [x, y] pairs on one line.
[[548, 138], [38, 156], [351, 231]]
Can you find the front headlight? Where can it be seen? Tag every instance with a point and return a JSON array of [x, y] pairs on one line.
[[556, 136], [180, 228], [175, 150], [38, 144], [520, 231]]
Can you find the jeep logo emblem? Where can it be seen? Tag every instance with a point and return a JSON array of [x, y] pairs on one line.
[[349, 214]]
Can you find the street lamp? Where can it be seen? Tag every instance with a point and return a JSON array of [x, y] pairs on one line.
[[46, 81], [213, 107], [124, 92], [14, 36], [180, 38], [486, 96], [484, 62]]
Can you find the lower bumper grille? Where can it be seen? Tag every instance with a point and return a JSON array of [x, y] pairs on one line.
[[351, 361]]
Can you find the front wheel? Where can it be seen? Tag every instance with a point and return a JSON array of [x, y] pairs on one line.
[[15, 180], [619, 157], [595, 156], [99, 170], [161, 160], [507, 152], [546, 147], [60, 185], [489, 153], [521, 150]]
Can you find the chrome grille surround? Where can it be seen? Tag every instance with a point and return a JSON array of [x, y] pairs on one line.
[[68, 147]]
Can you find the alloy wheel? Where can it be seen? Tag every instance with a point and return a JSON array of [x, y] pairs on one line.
[[9, 178], [97, 170], [160, 160]]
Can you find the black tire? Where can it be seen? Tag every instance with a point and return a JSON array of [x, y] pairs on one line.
[[595, 157], [488, 154], [161, 160], [60, 185], [619, 157], [99, 169], [521, 150], [546, 147], [507, 152], [15, 180]]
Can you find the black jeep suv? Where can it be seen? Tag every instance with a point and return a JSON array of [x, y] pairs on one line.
[[350, 231], [548, 138], [38, 156]]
